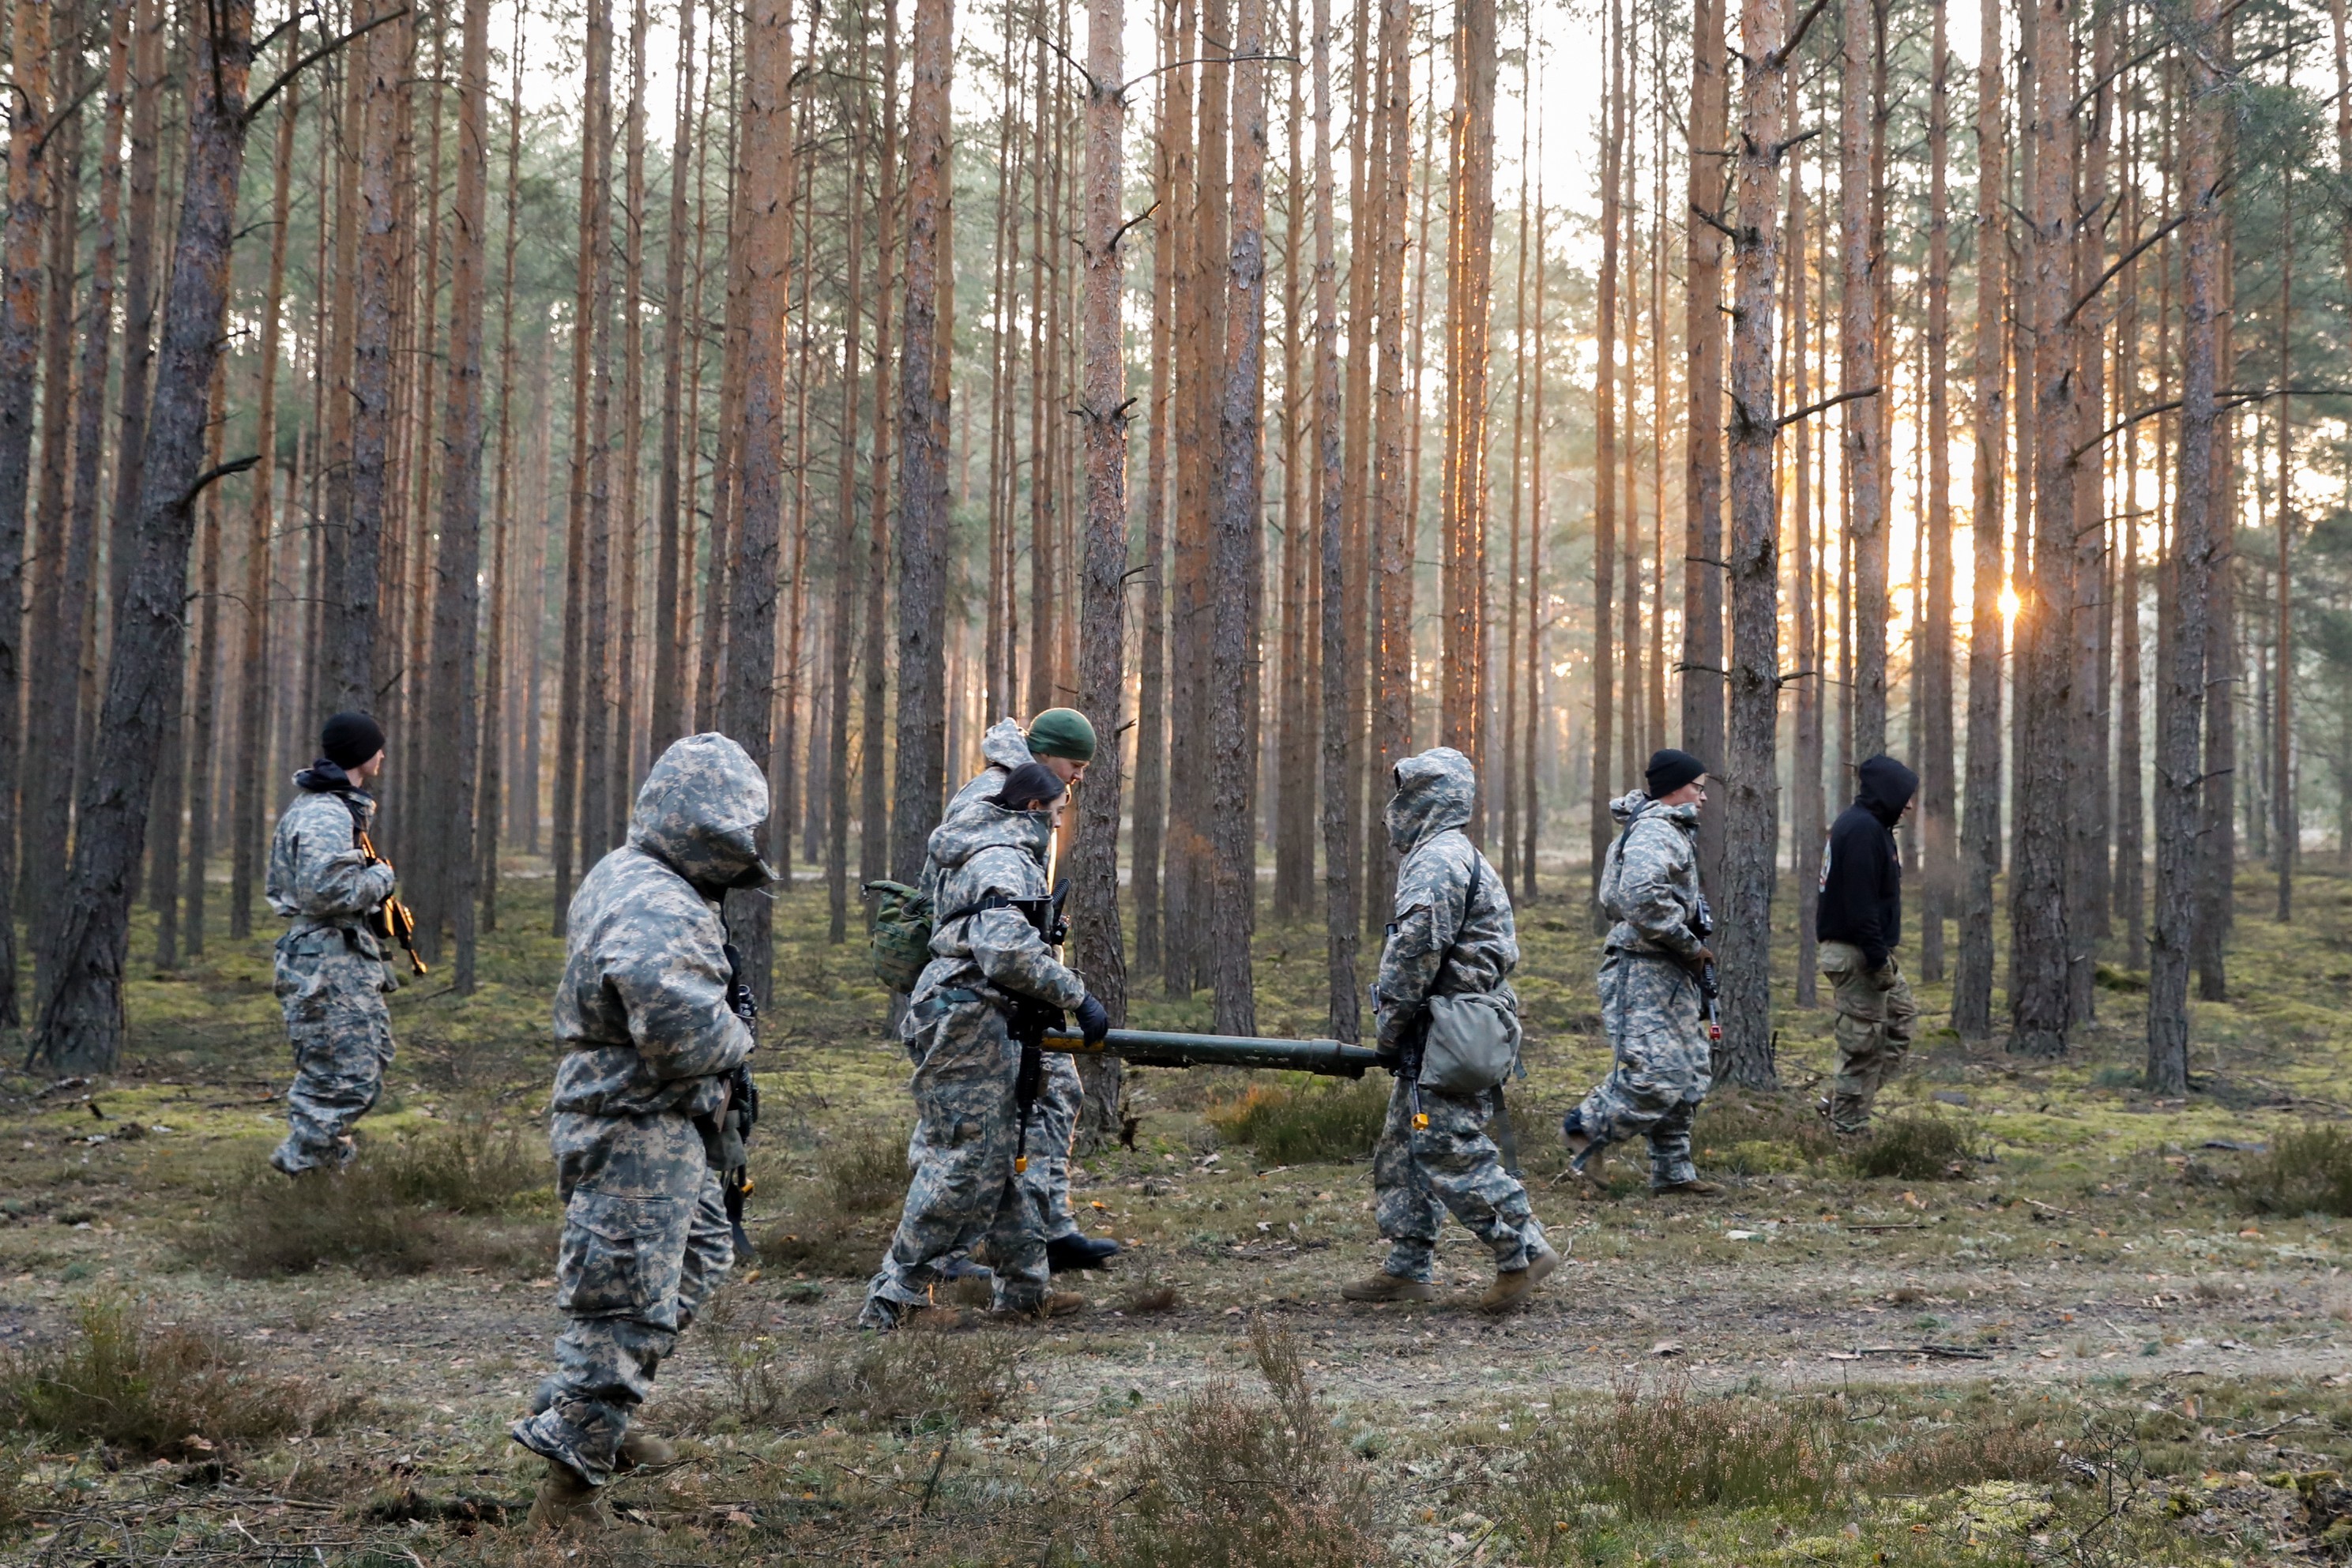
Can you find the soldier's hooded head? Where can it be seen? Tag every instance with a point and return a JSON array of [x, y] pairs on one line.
[[699, 812], [1434, 792]]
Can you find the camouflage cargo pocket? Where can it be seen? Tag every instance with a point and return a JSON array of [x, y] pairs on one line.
[[621, 1257]]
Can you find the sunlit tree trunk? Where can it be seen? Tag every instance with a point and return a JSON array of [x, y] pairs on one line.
[[1937, 792], [1858, 369], [1342, 919], [1709, 191]]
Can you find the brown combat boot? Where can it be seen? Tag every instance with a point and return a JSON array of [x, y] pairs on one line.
[[1512, 1288], [1052, 1304], [1695, 1187], [1386, 1287], [567, 1502], [642, 1451]]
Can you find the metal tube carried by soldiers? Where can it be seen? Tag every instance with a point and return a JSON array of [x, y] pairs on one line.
[[1168, 1048]]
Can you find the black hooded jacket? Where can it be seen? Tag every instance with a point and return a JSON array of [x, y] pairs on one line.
[[1861, 874]]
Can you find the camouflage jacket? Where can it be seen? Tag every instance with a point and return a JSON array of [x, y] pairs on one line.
[[641, 1008], [1005, 747], [982, 849], [318, 877], [1434, 913], [1649, 879]]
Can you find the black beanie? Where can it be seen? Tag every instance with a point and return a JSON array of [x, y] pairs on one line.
[[1029, 786], [351, 739], [1669, 770]]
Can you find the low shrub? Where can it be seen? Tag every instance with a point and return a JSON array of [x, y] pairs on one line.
[[839, 1224], [155, 1391], [1963, 1453], [1755, 1134], [2305, 1171], [1297, 1123], [467, 1167], [1229, 1480], [418, 1205], [1915, 1148], [1664, 1450]]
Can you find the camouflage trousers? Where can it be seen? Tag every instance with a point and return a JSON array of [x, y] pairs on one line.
[[1875, 1018], [333, 996], [1650, 1009], [964, 1188], [1053, 1120], [644, 1243], [1422, 1173]]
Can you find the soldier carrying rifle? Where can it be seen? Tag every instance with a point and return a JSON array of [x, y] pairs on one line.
[[332, 969]]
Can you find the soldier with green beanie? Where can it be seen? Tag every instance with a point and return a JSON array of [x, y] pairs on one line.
[[1061, 740]]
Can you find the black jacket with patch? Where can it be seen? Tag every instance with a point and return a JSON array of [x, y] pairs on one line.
[[1862, 870]]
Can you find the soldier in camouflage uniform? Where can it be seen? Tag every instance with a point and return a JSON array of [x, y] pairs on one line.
[[1061, 740], [1453, 935], [1649, 971], [331, 975], [987, 956], [650, 1044]]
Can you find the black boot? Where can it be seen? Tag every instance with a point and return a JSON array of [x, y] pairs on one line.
[[1065, 1253]]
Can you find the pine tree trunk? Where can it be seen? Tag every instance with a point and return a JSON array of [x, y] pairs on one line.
[[874, 811], [1237, 574], [1147, 835], [674, 556], [203, 704], [1937, 792], [507, 626], [81, 1024], [20, 345], [1342, 919], [1469, 319], [842, 621], [2180, 787], [1980, 825], [766, 172], [381, 63], [923, 446], [1858, 369], [1102, 675], [1751, 827], [252, 750], [2039, 1001], [1709, 186], [1807, 807], [1604, 467]]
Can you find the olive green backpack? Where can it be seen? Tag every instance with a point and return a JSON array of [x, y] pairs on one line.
[[901, 939]]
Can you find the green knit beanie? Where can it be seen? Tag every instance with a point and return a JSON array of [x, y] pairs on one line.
[[1062, 732]]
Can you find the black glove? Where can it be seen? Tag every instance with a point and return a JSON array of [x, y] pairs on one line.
[[740, 1000], [1093, 1021]]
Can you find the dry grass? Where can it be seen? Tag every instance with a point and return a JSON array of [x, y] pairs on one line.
[[1293, 1124], [466, 1167], [2307, 1171], [1754, 1135], [152, 1390], [1227, 1480], [918, 1378]]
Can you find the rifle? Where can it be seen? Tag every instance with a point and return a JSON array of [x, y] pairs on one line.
[[742, 1107], [1703, 926], [393, 922]]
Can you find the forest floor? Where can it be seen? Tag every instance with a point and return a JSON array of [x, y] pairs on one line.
[[2079, 1325]]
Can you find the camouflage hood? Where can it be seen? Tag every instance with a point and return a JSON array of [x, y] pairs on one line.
[[1433, 793], [699, 812], [1633, 806], [1006, 744], [981, 824]]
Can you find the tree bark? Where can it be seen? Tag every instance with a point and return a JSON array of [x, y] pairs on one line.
[[2039, 951], [922, 447], [1980, 826], [1342, 918], [1604, 468], [20, 346], [1750, 829], [1469, 319], [1938, 795], [380, 62], [874, 810], [2179, 783], [1102, 674], [1236, 571], [80, 1023], [1858, 368], [673, 561], [1709, 185]]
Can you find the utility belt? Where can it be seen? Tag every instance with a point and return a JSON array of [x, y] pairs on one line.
[[356, 938]]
